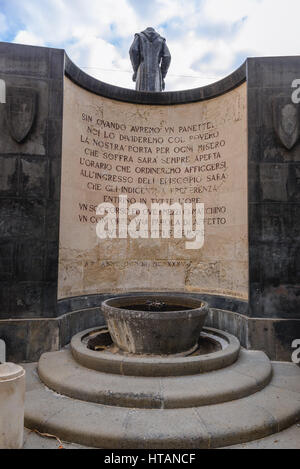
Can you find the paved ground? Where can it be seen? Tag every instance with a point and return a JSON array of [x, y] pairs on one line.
[[33, 440], [288, 439]]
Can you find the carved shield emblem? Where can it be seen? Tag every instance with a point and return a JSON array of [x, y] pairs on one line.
[[286, 121], [21, 104]]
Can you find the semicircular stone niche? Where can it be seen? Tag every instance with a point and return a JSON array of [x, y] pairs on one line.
[[187, 153]]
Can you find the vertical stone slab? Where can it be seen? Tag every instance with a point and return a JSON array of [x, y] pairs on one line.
[[32, 79], [2, 351], [2, 92], [274, 164], [186, 154], [30, 155], [30, 151], [12, 397]]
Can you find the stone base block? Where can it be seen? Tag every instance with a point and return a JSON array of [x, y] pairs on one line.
[[12, 396]]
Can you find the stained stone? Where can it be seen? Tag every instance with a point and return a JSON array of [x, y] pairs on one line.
[[257, 251], [2, 351], [12, 396]]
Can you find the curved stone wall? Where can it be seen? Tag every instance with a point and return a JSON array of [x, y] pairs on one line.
[[100, 88], [32, 321], [179, 147]]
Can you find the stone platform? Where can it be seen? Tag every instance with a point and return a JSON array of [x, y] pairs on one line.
[[287, 439], [247, 400], [225, 347]]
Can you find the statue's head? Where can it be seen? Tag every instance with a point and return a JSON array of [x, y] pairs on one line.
[[150, 29]]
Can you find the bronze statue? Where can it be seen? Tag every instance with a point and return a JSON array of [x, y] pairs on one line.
[[150, 58]]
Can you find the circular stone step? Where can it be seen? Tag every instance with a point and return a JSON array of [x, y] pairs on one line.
[[61, 373], [264, 413], [121, 364]]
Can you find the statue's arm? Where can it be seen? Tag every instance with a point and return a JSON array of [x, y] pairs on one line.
[[165, 61], [134, 54]]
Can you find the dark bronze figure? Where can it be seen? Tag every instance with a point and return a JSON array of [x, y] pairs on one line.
[[150, 58]]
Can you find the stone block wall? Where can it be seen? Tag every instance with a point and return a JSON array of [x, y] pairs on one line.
[[30, 182]]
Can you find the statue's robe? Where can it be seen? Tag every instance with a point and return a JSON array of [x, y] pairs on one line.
[[150, 58]]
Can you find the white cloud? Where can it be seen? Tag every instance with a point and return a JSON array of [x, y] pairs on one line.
[[27, 38], [3, 24], [229, 11], [56, 21], [272, 28], [207, 38], [99, 58]]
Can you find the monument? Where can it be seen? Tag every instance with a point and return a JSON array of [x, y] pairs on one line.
[[85, 169], [150, 58]]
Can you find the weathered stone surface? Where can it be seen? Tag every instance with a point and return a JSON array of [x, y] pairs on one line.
[[18, 60], [7, 260], [157, 366], [211, 168], [27, 340], [32, 440], [126, 95], [29, 203], [274, 233], [249, 418], [21, 217], [287, 439], [29, 182], [61, 373], [273, 336], [34, 177], [12, 397], [9, 175], [155, 325], [2, 351], [36, 141]]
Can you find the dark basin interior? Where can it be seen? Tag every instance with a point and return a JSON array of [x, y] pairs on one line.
[[101, 341], [157, 307]]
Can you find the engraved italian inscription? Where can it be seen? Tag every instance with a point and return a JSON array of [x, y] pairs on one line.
[[192, 153]]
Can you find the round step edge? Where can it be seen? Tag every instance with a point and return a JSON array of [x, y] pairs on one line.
[[216, 426], [156, 366], [61, 373]]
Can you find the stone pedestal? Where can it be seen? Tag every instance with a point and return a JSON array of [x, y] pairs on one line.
[[12, 395], [112, 400], [83, 142]]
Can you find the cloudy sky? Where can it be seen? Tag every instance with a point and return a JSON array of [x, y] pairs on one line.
[[208, 39]]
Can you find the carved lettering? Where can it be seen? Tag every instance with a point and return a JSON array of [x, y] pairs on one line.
[[154, 155]]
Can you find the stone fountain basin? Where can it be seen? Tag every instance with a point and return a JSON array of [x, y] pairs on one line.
[[138, 328]]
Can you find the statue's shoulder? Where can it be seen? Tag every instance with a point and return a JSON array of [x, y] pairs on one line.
[[137, 36], [162, 39]]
